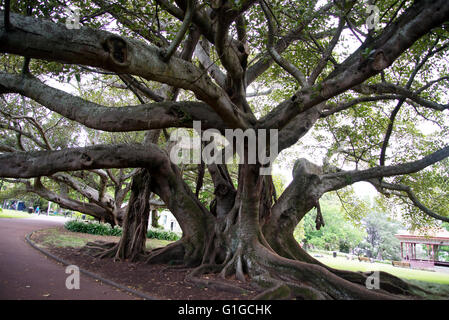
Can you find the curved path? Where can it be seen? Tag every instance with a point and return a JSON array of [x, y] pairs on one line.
[[27, 274]]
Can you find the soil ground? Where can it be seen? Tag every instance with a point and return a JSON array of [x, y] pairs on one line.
[[159, 281]]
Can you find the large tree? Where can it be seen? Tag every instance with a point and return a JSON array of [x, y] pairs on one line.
[[203, 61]]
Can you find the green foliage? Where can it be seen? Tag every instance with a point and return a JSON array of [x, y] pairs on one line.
[[445, 225], [105, 229], [279, 184], [338, 233], [431, 186], [299, 232], [79, 215], [380, 242], [372, 236], [162, 235], [97, 228]]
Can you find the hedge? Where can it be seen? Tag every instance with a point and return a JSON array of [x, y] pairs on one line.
[[97, 228], [105, 229]]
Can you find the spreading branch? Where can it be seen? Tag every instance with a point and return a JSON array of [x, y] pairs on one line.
[[383, 186], [415, 22], [101, 49], [46, 163], [285, 64], [132, 118]]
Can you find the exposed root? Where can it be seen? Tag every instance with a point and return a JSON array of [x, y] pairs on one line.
[[179, 267], [281, 278], [234, 265], [215, 284], [100, 249], [387, 282], [286, 291], [194, 278], [170, 254], [319, 278], [289, 248]]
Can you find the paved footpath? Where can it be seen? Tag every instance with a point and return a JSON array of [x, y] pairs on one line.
[[27, 274]]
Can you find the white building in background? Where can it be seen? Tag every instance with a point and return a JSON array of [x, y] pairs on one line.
[[168, 221]]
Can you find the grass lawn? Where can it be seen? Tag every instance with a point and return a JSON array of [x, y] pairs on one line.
[[52, 237], [410, 274], [5, 213], [60, 237]]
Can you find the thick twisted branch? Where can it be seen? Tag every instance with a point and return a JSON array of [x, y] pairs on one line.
[[101, 49], [132, 118]]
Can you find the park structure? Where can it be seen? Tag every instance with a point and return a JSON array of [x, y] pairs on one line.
[[423, 251]]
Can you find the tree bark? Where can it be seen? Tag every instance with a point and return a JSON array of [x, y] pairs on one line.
[[244, 234], [238, 248], [135, 226], [155, 219]]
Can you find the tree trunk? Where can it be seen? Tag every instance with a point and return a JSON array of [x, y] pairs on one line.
[[135, 225], [272, 259], [246, 242], [132, 242], [194, 219], [155, 219]]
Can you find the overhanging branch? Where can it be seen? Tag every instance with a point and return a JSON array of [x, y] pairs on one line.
[[101, 49], [113, 119], [335, 181], [415, 22], [46, 163], [411, 195]]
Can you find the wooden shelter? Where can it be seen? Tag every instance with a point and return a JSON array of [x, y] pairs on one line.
[[430, 242]]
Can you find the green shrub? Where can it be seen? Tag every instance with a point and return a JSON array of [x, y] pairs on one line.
[[79, 215], [105, 229], [162, 235], [97, 228]]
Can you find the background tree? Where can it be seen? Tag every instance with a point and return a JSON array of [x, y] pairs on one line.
[[194, 60], [445, 225], [380, 242], [337, 234]]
